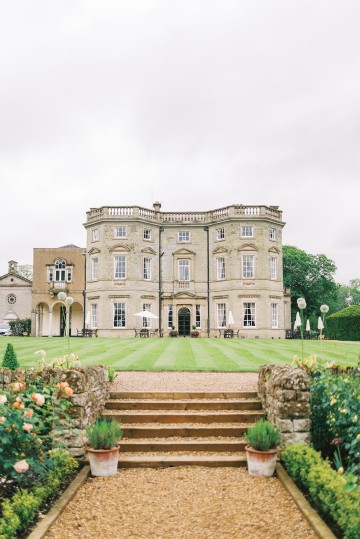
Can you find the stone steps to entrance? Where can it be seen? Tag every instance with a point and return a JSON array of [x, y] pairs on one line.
[[180, 428]]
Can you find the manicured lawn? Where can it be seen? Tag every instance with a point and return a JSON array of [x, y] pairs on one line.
[[181, 354]]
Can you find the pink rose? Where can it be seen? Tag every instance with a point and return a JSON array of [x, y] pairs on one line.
[[3, 399], [28, 427], [21, 466], [28, 413], [17, 386], [38, 398], [2, 420]]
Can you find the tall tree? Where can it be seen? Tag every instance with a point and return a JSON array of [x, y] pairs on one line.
[[309, 276]]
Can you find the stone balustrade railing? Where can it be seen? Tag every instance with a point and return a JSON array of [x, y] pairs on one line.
[[285, 396], [184, 217]]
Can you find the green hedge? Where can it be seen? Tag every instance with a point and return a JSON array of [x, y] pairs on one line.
[[344, 325], [19, 511], [327, 488]]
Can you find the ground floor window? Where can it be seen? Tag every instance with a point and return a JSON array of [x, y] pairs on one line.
[[249, 314], [274, 315], [198, 317], [170, 316], [221, 315], [145, 320], [119, 315], [93, 315]]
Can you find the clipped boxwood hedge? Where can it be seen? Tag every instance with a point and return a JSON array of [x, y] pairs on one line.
[[325, 486], [345, 324]]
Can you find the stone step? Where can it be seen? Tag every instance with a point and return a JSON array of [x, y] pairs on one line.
[[155, 430], [124, 417], [181, 395], [189, 404], [162, 461], [166, 445]]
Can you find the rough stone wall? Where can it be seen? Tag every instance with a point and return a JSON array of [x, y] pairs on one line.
[[285, 396], [90, 386]]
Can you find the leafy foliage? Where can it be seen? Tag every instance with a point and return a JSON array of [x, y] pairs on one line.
[[327, 488], [10, 360], [18, 327], [104, 434], [263, 436], [345, 324]]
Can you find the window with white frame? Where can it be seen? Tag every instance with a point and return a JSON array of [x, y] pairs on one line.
[[249, 314], [170, 316], [50, 274], [248, 266], [274, 315], [94, 315], [272, 234], [147, 269], [120, 232], [220, 233], [220, 268], [247, 231], [60, 270], [184, 269], [119, 267], [221, 315], [94, 268], [183, 236], [198, 316], [146, 321], [95, 234], [273, 267], [147, 234], [119, 315]]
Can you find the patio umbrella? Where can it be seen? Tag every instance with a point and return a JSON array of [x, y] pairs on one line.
[[298, 319], [87, 319], [320, 324], [307, 325], [146, 314], [230, 318]]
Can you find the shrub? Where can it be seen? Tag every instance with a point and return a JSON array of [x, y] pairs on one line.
[[104, 434], [263, 436], [326, 487], [10, 360], [344, 325], [18, 327]]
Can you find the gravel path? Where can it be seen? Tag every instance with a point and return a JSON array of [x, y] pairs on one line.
[[185, 381], [182, 503]]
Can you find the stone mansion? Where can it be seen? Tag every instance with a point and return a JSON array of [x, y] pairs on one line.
[[208, 270]]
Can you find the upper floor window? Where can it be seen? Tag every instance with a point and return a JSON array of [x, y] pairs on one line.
[[249, 314], [147, 234], [147, 269], [11, 299], [273, 267], [221, 315], [220, 233], [120, 232], [94, 269], [120, 267], [274, 315], [119, 315], [95, 234], [247, 231], [184, 269], [60, 271], [220, 268], [183, 236], [248, 265], [272, 234]]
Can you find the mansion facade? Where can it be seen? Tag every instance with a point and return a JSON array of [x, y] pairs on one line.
[[208, 271]]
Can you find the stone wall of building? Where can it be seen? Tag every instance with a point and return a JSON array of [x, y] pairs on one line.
[[285, 396], [90, 387]]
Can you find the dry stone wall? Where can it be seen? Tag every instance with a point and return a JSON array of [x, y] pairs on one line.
[[285, 396], [90, 392]]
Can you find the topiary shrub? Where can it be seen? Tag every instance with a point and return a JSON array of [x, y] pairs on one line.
[[10, 360], [345, 324]]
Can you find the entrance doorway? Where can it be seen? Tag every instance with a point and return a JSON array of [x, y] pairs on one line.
[[184, 322]]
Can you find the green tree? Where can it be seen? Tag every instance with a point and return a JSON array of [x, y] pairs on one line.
[[311, 277], [10, 360], [26, 270]]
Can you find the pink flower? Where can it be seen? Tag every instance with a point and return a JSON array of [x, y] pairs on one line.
[[28, 427], [38, 398], [3, 399], [28, 413], [336, 441], [17, 386], [2, 420], [21, 466]]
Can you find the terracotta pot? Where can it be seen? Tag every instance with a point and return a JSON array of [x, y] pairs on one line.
[[103, 462], [261, 462]]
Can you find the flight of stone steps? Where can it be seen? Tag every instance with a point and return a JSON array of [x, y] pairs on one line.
[[172, 429]]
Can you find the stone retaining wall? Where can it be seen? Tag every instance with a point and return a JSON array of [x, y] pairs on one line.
[[285, 396], [90, 387]]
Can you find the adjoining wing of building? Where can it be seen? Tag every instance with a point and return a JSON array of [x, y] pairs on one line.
[[210, 270]]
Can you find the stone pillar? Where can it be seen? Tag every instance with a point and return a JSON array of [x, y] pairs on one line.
[[50, 323], [285, 396]]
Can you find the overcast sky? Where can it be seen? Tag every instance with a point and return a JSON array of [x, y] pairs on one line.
[[199, 104]]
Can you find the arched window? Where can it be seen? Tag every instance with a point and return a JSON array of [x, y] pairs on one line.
[[60, 272]]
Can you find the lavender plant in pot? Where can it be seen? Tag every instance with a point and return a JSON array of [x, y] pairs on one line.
[[103, 449], [263, 440]]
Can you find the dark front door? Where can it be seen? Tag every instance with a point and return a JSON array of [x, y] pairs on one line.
[[184, 322]]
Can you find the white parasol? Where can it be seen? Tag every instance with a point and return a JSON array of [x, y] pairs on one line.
[[298, 319], [307, 325], [230, 318], [320, 324], [146, 314]]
